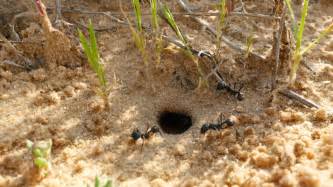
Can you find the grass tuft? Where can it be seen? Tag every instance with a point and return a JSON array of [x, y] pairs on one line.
[[166, 14], [41, 152], [98, 183], [298, 31], [249, 45], [137, 34], [156, 29], [92, 53]]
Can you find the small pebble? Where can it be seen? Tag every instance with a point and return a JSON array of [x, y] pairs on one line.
[[179, 150], [263, 160], [320, 115], [42, 120], [291, 116], [69, 91], [6, 75], [328, 139], [299, 149], [39, 75]]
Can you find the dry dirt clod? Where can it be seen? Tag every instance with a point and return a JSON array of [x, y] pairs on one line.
[[320, 115], [6, 75], [328, 139], [39, 75], [42, 120], [308, 178], [315, 135], [291, 116], [288, 180], [299, 149], [69, 91], [263, 160], [180, 150]]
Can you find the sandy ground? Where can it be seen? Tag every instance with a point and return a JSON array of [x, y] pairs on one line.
[[275, 142]]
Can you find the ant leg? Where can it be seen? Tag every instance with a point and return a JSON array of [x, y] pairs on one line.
[[220, 118], [143, 142], [241, 87]]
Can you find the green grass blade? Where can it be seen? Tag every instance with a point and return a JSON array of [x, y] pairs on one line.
[[86, 47], [93, 43], [95, 55], [223, 13], [108, 184], [137, 11], [293, 18], [167, 15], [154, 18], [300, 29], [91, 50], [97, 182], [324, 33], [249, 45]]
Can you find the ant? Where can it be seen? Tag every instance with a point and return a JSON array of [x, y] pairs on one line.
[[233, 91], [137, 134], [222, 85], [216, 126]]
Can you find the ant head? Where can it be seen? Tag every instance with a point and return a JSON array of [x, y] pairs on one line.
[[229, 122], [204, 128], [136, 134], [240, 96], [220, 86], [155, 129]]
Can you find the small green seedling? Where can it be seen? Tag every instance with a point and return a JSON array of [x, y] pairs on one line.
[[156, 29], [138, 34], [298, 30], [92, 53], [220, 24], [168, 17], [249, 45], [98, 183], [41, 153]]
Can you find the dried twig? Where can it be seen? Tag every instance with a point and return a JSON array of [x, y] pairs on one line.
[[269, 17], [58, 11], [277, 50], [206, 25], [293, 95]]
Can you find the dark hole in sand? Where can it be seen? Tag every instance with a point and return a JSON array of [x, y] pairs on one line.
[[174, 122]]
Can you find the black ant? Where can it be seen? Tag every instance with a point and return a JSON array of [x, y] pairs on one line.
[[137, 134], [233, 91], [212, 126], [222, 85]]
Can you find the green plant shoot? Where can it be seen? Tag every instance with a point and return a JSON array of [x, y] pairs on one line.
[[98, 183], [137, 11], [156, 30], [249, 45], [298, 30], [137, 34], [40, 151], [154, 18], [91, 51], [167, 15], [221, 21]]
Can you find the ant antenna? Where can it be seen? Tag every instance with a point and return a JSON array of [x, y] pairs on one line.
[[220, 118]]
